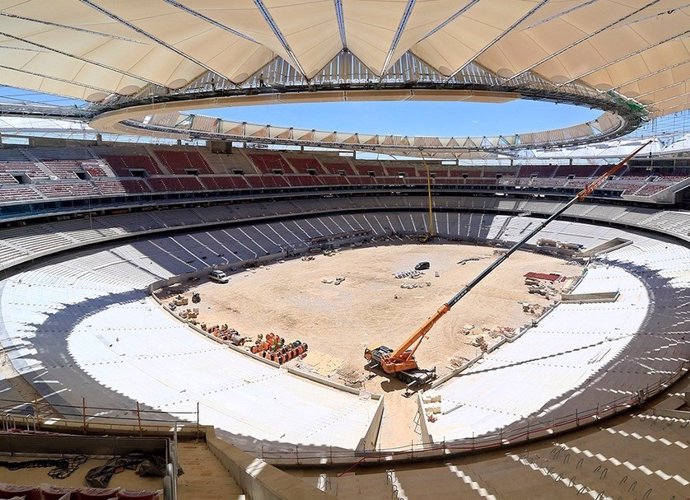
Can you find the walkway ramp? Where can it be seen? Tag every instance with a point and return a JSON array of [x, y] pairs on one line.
[[606, 247]]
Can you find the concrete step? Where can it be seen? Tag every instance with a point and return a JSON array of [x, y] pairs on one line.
[[204, 476]]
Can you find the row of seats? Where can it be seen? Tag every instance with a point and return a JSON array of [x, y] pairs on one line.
[[180, 161], [49, 492], [11, 191], [16, 243], [138, 169]]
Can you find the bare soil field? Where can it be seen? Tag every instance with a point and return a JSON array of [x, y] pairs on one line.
[[298, 299], [369, 308]]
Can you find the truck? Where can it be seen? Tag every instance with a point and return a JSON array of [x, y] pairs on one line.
[[218, 276]]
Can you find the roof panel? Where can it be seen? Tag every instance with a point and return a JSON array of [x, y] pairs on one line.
[[426, 16], [21, 80], [638, 47], [370, 27], [310, 29], [457, 43]]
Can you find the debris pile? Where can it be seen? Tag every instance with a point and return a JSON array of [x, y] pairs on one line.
[[456, 361], [411, 274], [500, 331], [336, 281], [432, 404], [410, 286], [481, 343], [533, 309], [469, 259], [350, 376]]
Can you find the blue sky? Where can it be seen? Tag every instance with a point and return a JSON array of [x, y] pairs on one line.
[[14, 95], [394, 117], [414, 118]]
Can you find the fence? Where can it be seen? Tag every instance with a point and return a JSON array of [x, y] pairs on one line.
[[16, 414], [521, 432], [144, 422]]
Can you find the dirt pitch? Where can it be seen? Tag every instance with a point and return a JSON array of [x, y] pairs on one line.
[[291, 299]]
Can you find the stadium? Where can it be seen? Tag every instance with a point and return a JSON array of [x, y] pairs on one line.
[[227, 303]]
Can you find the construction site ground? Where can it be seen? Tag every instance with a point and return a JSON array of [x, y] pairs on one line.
[[298, 299]]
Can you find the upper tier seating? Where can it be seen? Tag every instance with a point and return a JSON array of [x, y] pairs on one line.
[[224, 182], [304, 165], [577, 170], [94, 168], [24, 167], [338, 167], [18, 192], [64, 169], [175, 183], [181, 162], [369, 168], [6, 178], [121, 164], [64, 154], [537, 170], [121, 170], [67, 189], [268, 163]]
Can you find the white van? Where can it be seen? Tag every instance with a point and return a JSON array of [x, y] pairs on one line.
[[218, 276]]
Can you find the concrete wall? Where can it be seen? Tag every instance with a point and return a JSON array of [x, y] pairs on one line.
[[259, 480], [607, 247], [42, 444], [368, 442], [587, 298], [423, 427]]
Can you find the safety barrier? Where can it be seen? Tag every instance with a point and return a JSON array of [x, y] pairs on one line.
[[519, 433]]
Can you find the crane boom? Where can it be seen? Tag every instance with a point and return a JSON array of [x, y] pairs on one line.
[[402, 358]]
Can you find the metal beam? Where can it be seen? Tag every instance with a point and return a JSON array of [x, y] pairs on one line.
[[499, 37], [581, 40], [626, 56], [279, 35], [648, 75], [68, 27], [450, 19], [684, 94], [340, 16], [209, 20], [398, 34], [82, 59], [63, 80], [148, 35], [562, 13]]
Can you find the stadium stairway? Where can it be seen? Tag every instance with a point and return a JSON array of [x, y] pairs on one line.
[[204, 476]]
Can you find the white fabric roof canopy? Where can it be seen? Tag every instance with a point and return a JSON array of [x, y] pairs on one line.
[[91, 48]]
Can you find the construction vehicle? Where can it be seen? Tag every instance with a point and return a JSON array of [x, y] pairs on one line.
[[180, 301], [401, 361], [218, 276]]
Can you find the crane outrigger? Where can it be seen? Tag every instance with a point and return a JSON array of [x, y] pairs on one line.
[[401, 361]]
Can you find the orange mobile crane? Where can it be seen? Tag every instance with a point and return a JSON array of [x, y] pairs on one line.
[[401, 361]]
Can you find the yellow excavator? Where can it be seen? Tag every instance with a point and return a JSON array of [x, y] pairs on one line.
[[401, 361]]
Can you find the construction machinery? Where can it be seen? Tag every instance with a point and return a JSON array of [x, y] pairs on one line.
[[401, 361], [430, 232]]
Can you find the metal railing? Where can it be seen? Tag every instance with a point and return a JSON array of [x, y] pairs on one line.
[[33, 416], [521, 432]]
